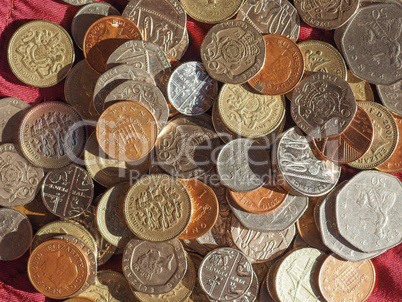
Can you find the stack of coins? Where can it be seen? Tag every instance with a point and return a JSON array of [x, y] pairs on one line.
[[216, 180]]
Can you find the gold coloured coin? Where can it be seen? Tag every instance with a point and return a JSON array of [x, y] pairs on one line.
[[211, 11]]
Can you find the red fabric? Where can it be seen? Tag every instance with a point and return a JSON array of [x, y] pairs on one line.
[[14, 283]]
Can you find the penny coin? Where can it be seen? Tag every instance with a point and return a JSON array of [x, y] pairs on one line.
[[67, 192], [12, 111], [78, 2], [323, 105], [299, 242], [343, 280], [154, 267], [233, 51], [186, 147], [191, 90], [52, 135], [391, 96], [385, 136], [104, 36], [144, 93], [361, 88], [264, 295], [371, 51], [220, 266], [270, 280], [127, 131], [349, 146], [110, 215], [367, 211], [271, 17], [157, 208], [211, 11], [115, 76], [40, 53], [283, 67], [205, 209], [261, 270], [322, 57], [86, 16], [321, 15], [19, 181], [15, 234]]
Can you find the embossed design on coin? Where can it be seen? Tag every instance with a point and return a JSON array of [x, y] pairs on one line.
[[12, 111], [391, 96], [361, 88], [211, 11]]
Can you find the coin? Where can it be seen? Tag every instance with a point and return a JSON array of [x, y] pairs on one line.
[[12, 111], [52, 135], [283, 67], [127, 131], [154, 267], [191, 90], [197, 294], [15, 234], [323, 105], [299, 242], [86, 16], [349, 146], [371, 51], [385, 137], [44, 269], [361, 88], [391, 96], [157, 208], [211, 11], [104, 36], [271, 17], [79, 299], [40, 53], [19, 181], [344, 280], [233, 51], [264, 295], [178, 51], [78, 2]]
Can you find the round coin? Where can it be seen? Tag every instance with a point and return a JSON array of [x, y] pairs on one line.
[[78, 2], [40, 53], [12, 111], [391, 96], [361, 88], [211, 11]]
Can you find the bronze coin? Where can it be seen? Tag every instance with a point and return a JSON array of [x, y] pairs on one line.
[[104, 36]]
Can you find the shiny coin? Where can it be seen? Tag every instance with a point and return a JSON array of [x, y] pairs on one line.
[[154, 267], [233, 52], [15, 234], [361, 88], [127, 131], [12, 111], [157, 208], [78, 2], [40, 53], [67, 192], [211, 11], [52, 135], [391, 96], [19, 181]]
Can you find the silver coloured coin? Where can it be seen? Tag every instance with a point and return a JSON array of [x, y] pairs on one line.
[[391, 96], [191, 90], [12, 111], [78, 2], [177, 52]]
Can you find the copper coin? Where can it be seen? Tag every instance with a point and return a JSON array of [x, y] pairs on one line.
[[283, 67], [104, 36], [12, 111], [58, 269], [52, 135], [351, 144], [260, 201], [15, 234], [341, 280], [127, 131], [205, 209], [67, 192]]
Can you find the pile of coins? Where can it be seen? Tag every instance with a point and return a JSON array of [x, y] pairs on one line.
[[208, 172]]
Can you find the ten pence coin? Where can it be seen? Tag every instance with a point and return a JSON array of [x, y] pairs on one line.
[[208, 11], [12, 111]]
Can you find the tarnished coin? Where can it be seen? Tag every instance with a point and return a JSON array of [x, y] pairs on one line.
[[323, 105], [299, 242], [67, 192], [157, 208], [343, 280], [243, 165], [12, 111], [19, 181], [391, 96], [271, 17], [191, 90], [283, 67], [154, 267], [15, 234], [233, 51], [40, 53], [78, 2], [104, 36], [367, 211], [86, 16], [211, 11], [127, 131], [52, 135], [325, 15], [197, 294], [361, 88], [298, 170], [371, 47]]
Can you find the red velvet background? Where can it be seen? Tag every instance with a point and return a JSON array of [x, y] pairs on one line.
[[14, 283]]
